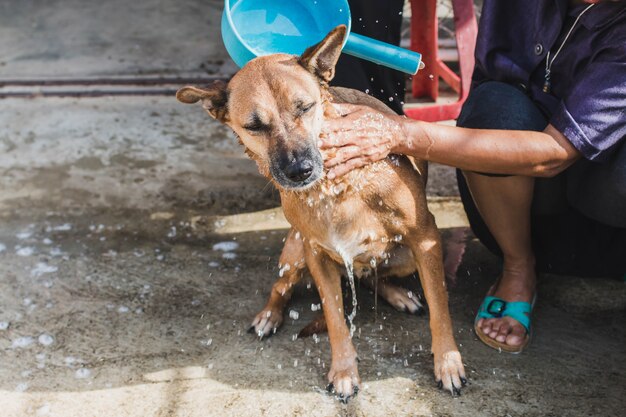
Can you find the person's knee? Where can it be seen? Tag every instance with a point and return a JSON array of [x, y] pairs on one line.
[[497, 105]]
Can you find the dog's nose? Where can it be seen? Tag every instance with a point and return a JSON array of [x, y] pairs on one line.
[[299, 171]]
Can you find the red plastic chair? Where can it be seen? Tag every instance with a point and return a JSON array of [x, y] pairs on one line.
[[424, 38]]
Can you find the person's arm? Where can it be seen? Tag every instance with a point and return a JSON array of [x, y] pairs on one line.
[[364, 135]]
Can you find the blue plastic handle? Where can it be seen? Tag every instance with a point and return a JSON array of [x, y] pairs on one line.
[[383, 53]]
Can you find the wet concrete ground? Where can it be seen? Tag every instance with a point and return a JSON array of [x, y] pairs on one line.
[[113, 301]]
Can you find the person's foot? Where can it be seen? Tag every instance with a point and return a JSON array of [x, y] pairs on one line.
[[516, 284]]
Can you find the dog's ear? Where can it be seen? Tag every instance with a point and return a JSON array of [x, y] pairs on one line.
[[321, 59], [214, 98]]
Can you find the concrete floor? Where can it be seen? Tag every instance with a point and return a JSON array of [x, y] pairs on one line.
[[113, 301], [80, 38]]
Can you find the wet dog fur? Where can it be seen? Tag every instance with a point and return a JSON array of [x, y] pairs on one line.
[[375, 216]]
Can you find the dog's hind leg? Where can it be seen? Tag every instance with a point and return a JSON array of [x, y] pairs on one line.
[[291, 265], [398, 297], [425, 243]]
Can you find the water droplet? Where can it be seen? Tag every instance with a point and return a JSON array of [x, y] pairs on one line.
[[228, 246], [284, 269], [45, 339], [22, 342], [27, 251], [82, 373]]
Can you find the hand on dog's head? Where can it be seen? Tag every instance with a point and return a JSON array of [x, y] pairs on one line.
[[274, 105]]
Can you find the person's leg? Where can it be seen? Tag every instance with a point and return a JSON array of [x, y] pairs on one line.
[[588, 238], [504, 204], [577, 219], [499, 210]]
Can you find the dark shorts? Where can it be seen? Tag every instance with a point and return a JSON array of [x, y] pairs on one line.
[[380, 20], [578, 217]]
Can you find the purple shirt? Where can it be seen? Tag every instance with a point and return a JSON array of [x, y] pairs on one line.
[[587, 99]]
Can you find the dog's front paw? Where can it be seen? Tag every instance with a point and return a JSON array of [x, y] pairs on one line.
[[449, 371], [266, 322], [344, 383]]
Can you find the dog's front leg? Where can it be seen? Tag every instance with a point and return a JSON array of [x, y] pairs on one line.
[[291, 265], [425, 243], [343, 375]]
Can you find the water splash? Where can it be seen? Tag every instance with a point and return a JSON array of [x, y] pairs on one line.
[[374, 265], [347, 260]]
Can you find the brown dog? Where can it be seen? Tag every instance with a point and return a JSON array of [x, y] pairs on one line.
[[373, 217]]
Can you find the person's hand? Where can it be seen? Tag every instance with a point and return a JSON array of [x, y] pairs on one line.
[[359, 136]]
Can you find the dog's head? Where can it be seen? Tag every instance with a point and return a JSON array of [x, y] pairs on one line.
[[274, 105]]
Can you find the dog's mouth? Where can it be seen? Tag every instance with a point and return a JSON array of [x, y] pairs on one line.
[[297, 185], [298, 174]]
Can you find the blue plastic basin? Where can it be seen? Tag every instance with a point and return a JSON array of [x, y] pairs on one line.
[[252, 28]]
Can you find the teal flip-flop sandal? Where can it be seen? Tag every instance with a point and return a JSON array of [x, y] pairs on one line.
[[494, 307]]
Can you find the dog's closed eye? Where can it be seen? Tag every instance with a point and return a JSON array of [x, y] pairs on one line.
[[256, 125], [302, 108]]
